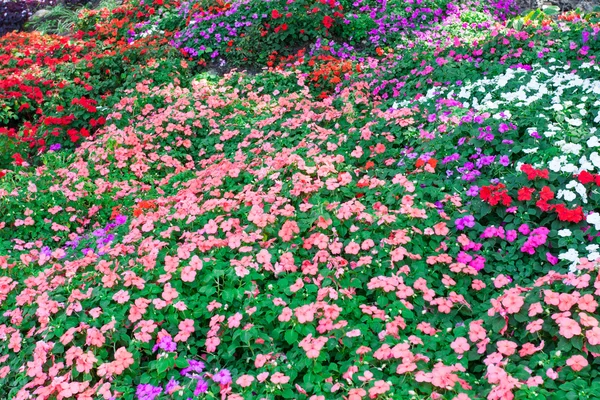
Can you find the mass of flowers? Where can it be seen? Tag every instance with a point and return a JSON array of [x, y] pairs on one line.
[[302, 200]]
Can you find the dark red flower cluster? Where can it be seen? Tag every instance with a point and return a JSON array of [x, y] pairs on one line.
[[495, 194]]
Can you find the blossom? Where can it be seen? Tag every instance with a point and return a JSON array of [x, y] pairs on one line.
[[222, 377], [577, 362]]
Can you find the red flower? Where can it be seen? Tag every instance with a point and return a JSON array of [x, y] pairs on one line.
[[564, 214], [494, 194], [275, 14], [525, 194], [533, 173], [585, 177], [18, 159], [327, 21], [546, 193]]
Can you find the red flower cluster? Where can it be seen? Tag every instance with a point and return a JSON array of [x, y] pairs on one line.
[[565, 214], [533, 173], [585, 177], [495, 194]]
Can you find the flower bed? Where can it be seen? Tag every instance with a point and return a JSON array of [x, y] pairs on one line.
[[418, 223]]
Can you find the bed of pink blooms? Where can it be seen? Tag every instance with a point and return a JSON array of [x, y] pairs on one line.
[[229, 241]]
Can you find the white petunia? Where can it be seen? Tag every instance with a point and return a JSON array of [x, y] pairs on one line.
[[574, 121]]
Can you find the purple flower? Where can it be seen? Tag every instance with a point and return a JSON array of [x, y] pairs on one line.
[[165, 343], [147, 392], [171, 385], [473, 191], [504, 160], [55, 147], [194, 366], [465, 222], [46, 251], [222, 377], [120, 219], [201, 387], [99, 233]]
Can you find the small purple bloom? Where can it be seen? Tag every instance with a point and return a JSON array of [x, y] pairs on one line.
[[171, 385], [201, 387], [147, 392], [222, 377], [473, 191], [165, 343]]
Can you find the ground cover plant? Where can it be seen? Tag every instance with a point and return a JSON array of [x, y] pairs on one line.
[[399, 205]]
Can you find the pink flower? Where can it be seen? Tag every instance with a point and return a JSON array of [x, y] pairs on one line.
[[288, 230], [460, 345], [507, 347], [577, 363], [245, 380], [278, 378], [379, 387]]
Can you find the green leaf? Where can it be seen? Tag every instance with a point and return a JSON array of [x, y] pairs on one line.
[[291, 336], [551, 10]]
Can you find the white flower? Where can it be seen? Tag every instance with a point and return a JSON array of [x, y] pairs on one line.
[[557, 107], [570, 168], [571, 255], [566, 194], [592, 247], [574, 121], [529, 151], [593, 141], [556, 163], [595, 159], [572, 148], [564, 233], [594, 219]]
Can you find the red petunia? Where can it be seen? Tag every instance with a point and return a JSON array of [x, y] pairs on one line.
[[327, 21], [275, 14]]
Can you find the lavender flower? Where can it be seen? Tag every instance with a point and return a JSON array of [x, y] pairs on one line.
[[222, 377], [147, 392]]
